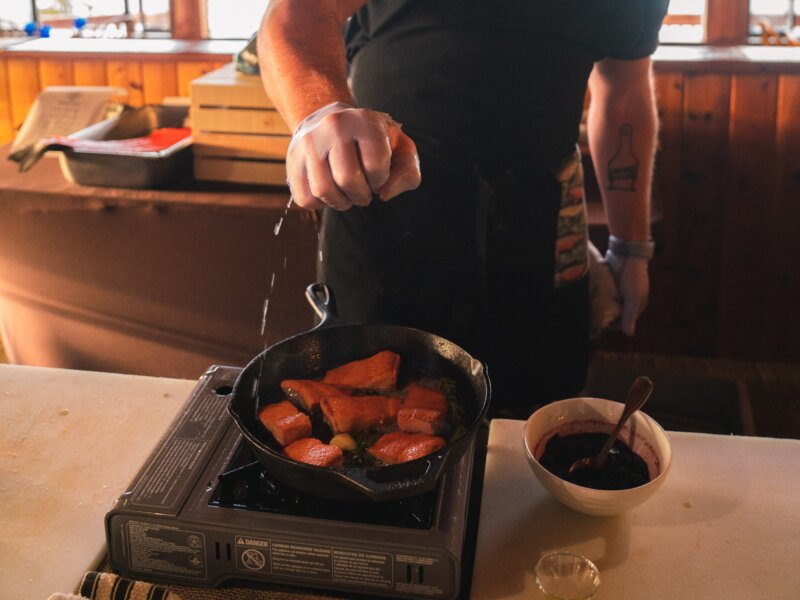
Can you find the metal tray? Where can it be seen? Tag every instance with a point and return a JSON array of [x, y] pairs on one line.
[[143, 170]]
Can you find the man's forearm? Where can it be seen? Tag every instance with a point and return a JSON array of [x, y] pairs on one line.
[[302, 57], [622, 128]]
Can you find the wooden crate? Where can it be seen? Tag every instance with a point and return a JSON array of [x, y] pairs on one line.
[[238, 134]]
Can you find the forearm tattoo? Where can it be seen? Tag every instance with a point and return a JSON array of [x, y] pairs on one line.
[[623, 168]]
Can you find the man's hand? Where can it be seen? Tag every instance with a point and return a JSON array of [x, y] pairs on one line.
[[633, 283], [341, 156]]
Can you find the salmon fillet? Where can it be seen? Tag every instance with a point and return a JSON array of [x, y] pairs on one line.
[[421, 420], [285, 422], [399, 446], [378, 372], [313, 452], [308, 392], [424, 410], [348, 414], [416, 396]]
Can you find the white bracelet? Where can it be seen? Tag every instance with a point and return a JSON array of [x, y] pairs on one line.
[[318, 114], [631, 248]]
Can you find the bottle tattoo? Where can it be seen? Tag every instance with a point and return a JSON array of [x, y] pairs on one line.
[[623, 168]]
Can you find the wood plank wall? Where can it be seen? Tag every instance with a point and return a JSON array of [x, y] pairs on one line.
[[146, 80], [726, 281]]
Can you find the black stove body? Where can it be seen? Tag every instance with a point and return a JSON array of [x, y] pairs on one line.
[[202, 512]]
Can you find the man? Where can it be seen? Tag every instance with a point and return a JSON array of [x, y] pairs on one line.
[[468, 220]]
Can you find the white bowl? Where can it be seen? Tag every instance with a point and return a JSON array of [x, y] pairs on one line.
[[589, 415]]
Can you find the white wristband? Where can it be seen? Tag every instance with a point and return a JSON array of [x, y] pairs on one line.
[[631, 248], [311, 120]]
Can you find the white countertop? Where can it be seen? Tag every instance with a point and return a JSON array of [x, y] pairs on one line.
[[725, 524], [70, 441]]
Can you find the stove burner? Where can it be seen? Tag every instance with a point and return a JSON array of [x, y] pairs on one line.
[[246, 485], [181, 522]]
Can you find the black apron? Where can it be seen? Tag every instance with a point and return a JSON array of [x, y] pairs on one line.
[[471, 254]]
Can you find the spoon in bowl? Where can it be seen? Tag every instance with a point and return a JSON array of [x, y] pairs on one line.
[[637, 396]]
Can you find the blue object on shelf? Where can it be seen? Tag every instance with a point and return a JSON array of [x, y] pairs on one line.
[[45, 31], [31, 29], [80, 23]]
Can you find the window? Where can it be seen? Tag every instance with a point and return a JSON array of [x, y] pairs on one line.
[[14, 15], [89, 18], [60, 17], [154, 15], [684, 22], [775, 21], [224, 23]]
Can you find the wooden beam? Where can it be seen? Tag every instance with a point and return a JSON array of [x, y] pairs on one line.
[[704, 174], [781, 296], [727, 21], [23, 83], [7, 130], [188, 19], [747, 221], [669, 281]]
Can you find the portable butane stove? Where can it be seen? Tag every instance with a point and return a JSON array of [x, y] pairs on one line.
[[203, 512]]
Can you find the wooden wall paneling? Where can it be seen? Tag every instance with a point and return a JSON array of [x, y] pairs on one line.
[[747, 220], [187, 71], [128, 75], [781, 295], [23, 82], [704, 177], [6, 125], [667, 289], [55, 72], [90, 72], [160, 80]]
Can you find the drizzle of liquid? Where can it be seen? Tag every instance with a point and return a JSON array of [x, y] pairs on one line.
[[264, 314], [279, 224], [276, 230]]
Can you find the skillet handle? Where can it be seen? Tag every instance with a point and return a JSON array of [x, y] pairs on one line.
[[420, 476], [320, 298]]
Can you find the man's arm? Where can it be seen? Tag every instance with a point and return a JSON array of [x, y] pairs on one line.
[[622, 127], [343, 155], [302, 56]]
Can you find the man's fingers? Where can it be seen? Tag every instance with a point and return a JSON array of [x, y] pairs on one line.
[[632, 308], [375, 154], [322, 185], [347, 173], [300, 190], [628, 319], [404, 173]]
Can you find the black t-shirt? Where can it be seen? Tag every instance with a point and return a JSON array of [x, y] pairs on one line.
[[491, 81]]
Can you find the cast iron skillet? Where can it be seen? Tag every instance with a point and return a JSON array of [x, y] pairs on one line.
[[308, 355]]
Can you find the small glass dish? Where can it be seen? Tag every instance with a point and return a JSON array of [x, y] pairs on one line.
[[567, 576]]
